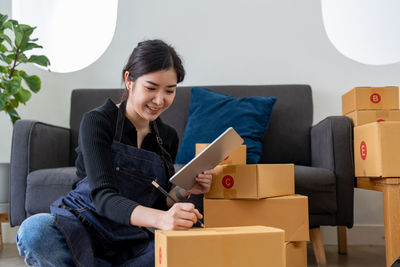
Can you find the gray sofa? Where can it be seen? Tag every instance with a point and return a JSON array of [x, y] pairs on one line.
[[43, 155]]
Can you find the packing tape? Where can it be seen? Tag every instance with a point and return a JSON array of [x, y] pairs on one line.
[[227, 247], [230, 169], [229, 193], [382, 114], [228, 160]]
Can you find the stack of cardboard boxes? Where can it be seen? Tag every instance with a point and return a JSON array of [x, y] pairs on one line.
[[258, 194], [376, 117]]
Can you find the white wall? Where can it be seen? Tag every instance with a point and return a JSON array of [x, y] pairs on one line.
[[224, 42]]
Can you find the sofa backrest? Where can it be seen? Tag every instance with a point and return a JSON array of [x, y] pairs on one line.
[[83, 100], [288, 136]]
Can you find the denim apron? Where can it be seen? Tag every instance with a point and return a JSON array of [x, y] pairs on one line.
[[95, 240]]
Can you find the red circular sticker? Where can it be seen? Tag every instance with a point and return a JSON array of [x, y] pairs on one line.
[[363, 150], [380, 120], [227, 181], [159, 256], [375, 98]]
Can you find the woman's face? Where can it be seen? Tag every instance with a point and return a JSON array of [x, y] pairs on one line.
[[151, 94]]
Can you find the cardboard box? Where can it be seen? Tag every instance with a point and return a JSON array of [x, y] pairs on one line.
[[376, 149], [237, 157], [220, 247], [254, 181], [296, 254], [361, 117], [289, 213], [360, 98]]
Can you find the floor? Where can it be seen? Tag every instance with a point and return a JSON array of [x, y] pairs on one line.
[[358, 256]]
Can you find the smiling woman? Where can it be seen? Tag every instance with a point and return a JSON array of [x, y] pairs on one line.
[[74, 33], [122, 149]]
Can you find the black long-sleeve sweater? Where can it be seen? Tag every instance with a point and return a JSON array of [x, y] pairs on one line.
[[94, 159]]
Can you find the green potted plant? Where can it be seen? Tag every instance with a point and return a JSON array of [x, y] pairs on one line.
[[15, 41], [15, 84]]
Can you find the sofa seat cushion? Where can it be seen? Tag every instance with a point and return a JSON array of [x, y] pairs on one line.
[[211, 113], [320, 187], [45, 186]]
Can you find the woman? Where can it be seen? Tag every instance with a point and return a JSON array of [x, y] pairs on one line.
[[122, 148]]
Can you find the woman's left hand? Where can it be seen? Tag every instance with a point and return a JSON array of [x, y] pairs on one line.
[[203, 182]]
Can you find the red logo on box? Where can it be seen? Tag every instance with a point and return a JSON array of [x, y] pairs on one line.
[[380, 120], [363, 150], [227, 181], [226, 158], [375, 98], [159, 256]]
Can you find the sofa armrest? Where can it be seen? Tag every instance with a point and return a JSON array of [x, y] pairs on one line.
[[332, 148], [35, 145]]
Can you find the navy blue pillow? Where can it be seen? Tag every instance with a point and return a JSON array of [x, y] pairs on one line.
[[211, 113]]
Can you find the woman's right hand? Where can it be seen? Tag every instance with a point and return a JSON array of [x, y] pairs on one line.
[[181, 216]]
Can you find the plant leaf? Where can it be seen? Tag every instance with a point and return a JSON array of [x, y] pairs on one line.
[[40, 60], [22, 34], [20, 72], [5, 58], [3, 48], [11, 56], [12, 86], [14, 103], [33, 82], [13, 22], [8, 25], [22, 96], [5, 37], [18, 36], [22, 58], [3, 18], [3, 100], [30, 46], [4, 69], [12, 113]]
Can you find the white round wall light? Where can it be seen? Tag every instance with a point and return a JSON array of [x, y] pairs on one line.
[[73, 33], [367, 31]]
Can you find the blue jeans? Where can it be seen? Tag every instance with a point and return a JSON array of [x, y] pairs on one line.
[[43, 245]]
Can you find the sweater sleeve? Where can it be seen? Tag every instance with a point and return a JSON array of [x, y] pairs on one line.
[[95, 140]]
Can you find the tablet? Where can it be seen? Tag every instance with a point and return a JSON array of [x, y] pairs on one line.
[[207, 159]]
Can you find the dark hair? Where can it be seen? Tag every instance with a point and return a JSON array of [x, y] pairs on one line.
[[150, 56]]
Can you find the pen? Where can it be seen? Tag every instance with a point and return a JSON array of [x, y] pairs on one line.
[[170, 197]]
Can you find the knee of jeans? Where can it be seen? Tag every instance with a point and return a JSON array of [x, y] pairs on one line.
[[33, 230]]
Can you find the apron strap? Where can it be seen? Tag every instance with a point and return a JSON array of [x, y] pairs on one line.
[[119, 127], [163, 152]]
